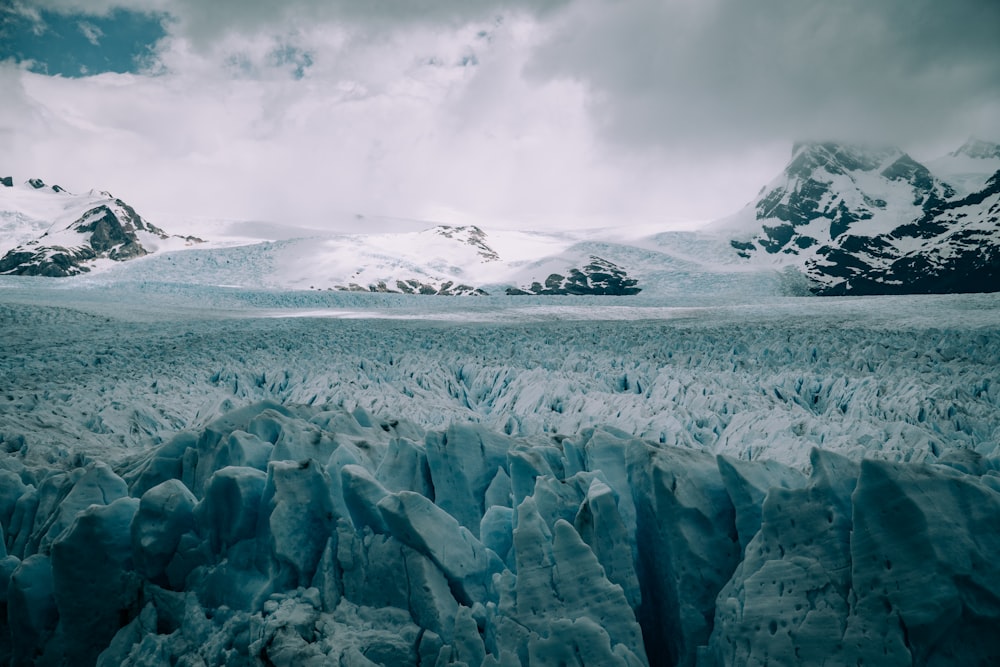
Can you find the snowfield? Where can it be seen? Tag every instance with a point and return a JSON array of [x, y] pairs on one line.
[[201, 475]]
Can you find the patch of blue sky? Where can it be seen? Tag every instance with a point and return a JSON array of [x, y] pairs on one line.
[[76, 45], [293, 57]]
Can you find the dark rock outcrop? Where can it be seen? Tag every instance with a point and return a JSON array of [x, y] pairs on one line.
[[600, 277], [108, 230], [954, 247], [414, 286]]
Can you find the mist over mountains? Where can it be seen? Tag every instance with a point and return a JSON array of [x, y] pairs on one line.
[[840, 219]]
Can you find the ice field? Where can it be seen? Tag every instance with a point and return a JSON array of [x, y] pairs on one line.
[[198, 475]]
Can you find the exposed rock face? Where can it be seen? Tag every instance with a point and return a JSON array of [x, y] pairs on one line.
[[599, 277], [470, 235], [109, 230], [414, 286], [104, 231], [859, 220], [953, 247]]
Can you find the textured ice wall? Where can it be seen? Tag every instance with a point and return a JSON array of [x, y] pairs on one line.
[[296, 535]]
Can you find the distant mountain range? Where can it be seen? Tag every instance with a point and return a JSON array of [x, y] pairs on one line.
[[839, 219], [48, 231]]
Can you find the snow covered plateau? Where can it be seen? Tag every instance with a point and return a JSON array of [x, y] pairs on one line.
[[197, 475]]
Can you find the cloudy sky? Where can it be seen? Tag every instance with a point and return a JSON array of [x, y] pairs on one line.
[[530, 114]]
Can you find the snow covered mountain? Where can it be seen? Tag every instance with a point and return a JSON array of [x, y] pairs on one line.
[[449, 260], [862, 220], [49, 232], [953, 247], [969, 167], [56, 233], [839, 219]]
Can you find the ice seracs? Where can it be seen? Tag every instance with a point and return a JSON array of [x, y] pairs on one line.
[[612, 551], [711, 486]]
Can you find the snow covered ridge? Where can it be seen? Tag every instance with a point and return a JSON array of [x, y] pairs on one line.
[[864, 220], [953, 247], [290, 535], [80, 230], [456, 261]]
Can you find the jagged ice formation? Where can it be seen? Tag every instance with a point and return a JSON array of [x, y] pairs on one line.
[[724, 488]]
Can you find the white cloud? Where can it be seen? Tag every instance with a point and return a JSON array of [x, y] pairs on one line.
[[91, 32], [394, 125], [584, 112]]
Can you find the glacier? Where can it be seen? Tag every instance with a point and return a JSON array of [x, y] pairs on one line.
[[203, 476]]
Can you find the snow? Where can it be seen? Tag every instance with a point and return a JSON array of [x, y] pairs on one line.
[[26, 212], [256, 255], [856, 189]]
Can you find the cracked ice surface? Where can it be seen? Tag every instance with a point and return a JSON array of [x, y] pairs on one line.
[[196, 481], [903, 379]]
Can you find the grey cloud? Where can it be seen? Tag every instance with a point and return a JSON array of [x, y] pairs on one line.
[[697, 75], [688, 76], [684, 95], [203, 21]]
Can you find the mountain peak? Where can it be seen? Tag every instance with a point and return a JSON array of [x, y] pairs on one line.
[[838, 158], [81, 230], [469, 235], [832, 189], [978, 149]]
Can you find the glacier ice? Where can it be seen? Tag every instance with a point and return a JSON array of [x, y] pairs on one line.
[[711, 561], [729, 488]]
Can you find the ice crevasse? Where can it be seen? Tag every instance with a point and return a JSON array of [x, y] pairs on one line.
[[293, 535]]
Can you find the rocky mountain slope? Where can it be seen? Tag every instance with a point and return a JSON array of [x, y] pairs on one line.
[[953, 247], [862, 220], [79, 230], [599, 277]]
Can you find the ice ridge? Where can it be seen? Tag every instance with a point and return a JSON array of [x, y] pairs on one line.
[[291, 535]]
